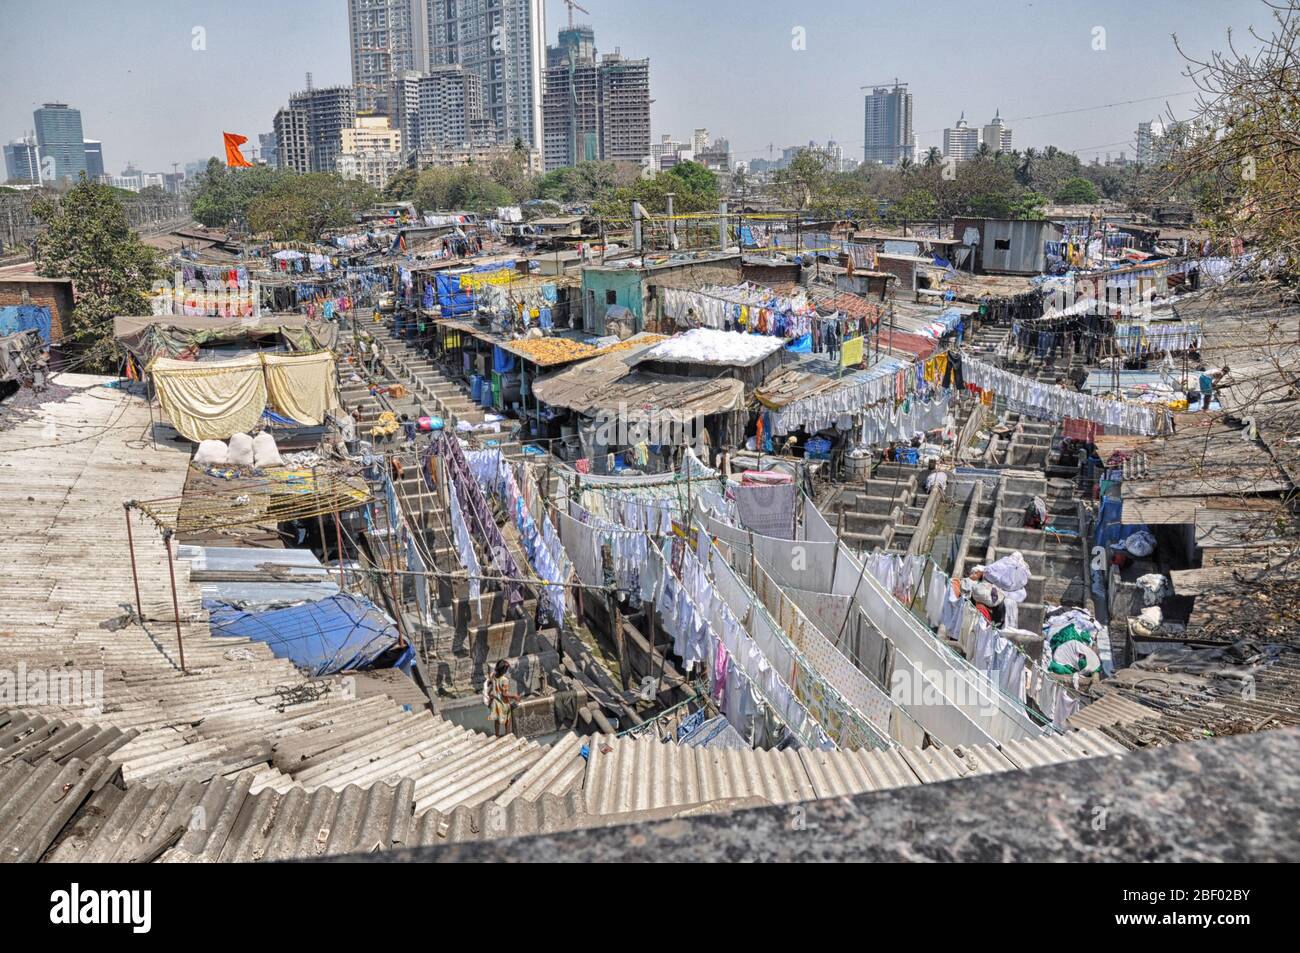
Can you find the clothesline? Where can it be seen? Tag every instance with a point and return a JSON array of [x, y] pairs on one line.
[[1049, 402]]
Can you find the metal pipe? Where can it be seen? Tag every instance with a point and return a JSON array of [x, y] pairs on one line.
[[176, 608], [135, 576]]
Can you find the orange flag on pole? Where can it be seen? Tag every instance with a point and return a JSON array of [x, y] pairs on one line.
[[235, 158]]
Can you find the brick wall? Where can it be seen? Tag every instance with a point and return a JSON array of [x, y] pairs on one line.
[[901, 268], [55, 295]]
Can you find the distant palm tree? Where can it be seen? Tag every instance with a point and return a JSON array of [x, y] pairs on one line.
[[905, 165], [933, 156], [983, 152], [1051, 152]]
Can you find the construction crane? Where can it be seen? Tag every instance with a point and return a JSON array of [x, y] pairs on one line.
[[574, 6], [885, 83]]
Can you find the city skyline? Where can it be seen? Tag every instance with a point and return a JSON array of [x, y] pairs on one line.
[[154, 125]]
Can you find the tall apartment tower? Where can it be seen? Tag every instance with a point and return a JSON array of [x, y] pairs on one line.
[[266, 147], [292, 144], [309, 133], [624, 108], [59, 136], [94, 159], [887, 136], [594, 108], [996, 134], [22, 161], [961, 141], [388, 38], [504, 42], [579, 40], [440, 109]]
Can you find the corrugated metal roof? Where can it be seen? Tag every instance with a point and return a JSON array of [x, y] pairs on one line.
[[1113, 709]]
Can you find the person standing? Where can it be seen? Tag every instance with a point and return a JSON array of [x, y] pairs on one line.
[[500, 697]]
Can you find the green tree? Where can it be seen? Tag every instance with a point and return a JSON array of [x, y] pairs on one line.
[[917, 205], [806, 182], [86, 238], [401, 187], [586, 181], [304, 207], [221, 197], [1076, 191], [694, 188]]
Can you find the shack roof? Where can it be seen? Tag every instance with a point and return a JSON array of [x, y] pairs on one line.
[[147, 335], [610, 381], [26, 272]]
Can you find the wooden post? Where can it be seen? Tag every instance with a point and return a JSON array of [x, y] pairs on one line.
[[839, 540], [338, 539], [751, 559], [616, 616], [650, 634]]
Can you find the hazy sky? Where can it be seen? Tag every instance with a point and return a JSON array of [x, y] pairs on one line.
[[727, 65]]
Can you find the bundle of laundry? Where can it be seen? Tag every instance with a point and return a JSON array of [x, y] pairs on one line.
[[1074, 642], [243, 450], [1140, 543], [1071, 651], [1011, 575], [1146, 623], [1155, 587]]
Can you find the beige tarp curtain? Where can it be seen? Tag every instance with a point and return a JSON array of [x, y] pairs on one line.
[[302, 386], [214, 400], [208, 401]]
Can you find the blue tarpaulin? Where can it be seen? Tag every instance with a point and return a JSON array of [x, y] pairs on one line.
[[338, 634], [502, 360], [25, 317], [801, 344], [1109, 528], [453, 301]]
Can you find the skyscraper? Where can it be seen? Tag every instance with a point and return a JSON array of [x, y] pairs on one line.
[[266, 147], [624, 108], [292, 144], [1149, 141], [961, 141], [58, 133], [22, 161], [388, 38], [579, 40], [594, 109], [503, 41], [309, 133], [887, 137], [440, 109], [94, 159], [996, 135]]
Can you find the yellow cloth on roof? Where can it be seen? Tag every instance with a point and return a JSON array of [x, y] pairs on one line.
[[303, 387], [211, 401]]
